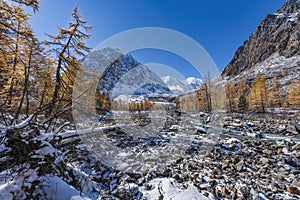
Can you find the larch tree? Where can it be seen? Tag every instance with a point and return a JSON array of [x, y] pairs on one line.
[[230, 97], [258, 97], [275, 95], [33, 62], [46, 83], [106, 104], [14, 23], [20, 57], [69, 47], [34, 4], [242, 88], [121, 104], [242, 92], [204, 95], [294, 95], [242, 104]]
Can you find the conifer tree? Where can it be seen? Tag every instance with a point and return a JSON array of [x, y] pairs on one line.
[[242, 105], [204, 95], [70, 48], [294, 95], [258, 97], [230, 96], [106, 101], [275, 95], [20, 58]]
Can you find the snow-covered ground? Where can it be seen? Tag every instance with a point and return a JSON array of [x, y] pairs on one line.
[[168, 188], [192, 159]]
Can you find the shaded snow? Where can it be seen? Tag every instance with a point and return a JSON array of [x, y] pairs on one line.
[[60, 190], [169, 189]]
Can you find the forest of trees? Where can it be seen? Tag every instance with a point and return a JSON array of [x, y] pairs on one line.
[[38, 76], [259, 95]]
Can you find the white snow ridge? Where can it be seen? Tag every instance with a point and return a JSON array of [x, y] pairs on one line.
[[182, 86]]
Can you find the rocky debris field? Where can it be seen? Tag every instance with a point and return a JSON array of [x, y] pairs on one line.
[[287, 124], [239, 162], [244, 170], [231, 169], [235, 166]]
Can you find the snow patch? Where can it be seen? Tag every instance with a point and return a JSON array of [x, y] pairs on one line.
[[167, 188]]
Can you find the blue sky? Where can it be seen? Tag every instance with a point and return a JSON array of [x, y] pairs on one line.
[[219, 26]]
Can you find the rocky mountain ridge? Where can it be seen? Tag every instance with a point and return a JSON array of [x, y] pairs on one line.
[[122, 74], [278, 34]]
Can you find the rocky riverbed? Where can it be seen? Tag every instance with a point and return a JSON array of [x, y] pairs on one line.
[[217, 156], [231, 169], [239, 165], [226, 165]]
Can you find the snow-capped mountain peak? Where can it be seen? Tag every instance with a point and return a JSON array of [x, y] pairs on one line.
[[195, 83], [182, 86]]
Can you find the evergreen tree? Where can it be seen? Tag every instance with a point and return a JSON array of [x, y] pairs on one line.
[[242, 105]]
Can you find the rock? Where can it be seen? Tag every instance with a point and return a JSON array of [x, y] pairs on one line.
[[292, 162], [144, 171], [285, 150], [240, 165], [267, 151], [201, 130], [208, 119], [236, 124], [273, 187], [282, 129], [263, 170], [175, 128], [250, 124], [234, 191], [245, 190], [149, 187], [297, 127], [217, 171], [264, 160], [237, 120], [296, 146], [202, 114], [293, 190], [204, 185], [234, 160], [225, 191], [255, 134], [296, 183]]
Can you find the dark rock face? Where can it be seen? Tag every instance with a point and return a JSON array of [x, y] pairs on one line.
[[277, 33]]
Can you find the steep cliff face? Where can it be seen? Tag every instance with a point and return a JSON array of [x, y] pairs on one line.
[[277, 33]]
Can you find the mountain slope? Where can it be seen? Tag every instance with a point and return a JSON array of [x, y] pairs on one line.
[[195, 83], [122, 74], [277, 33], [182, 86]]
